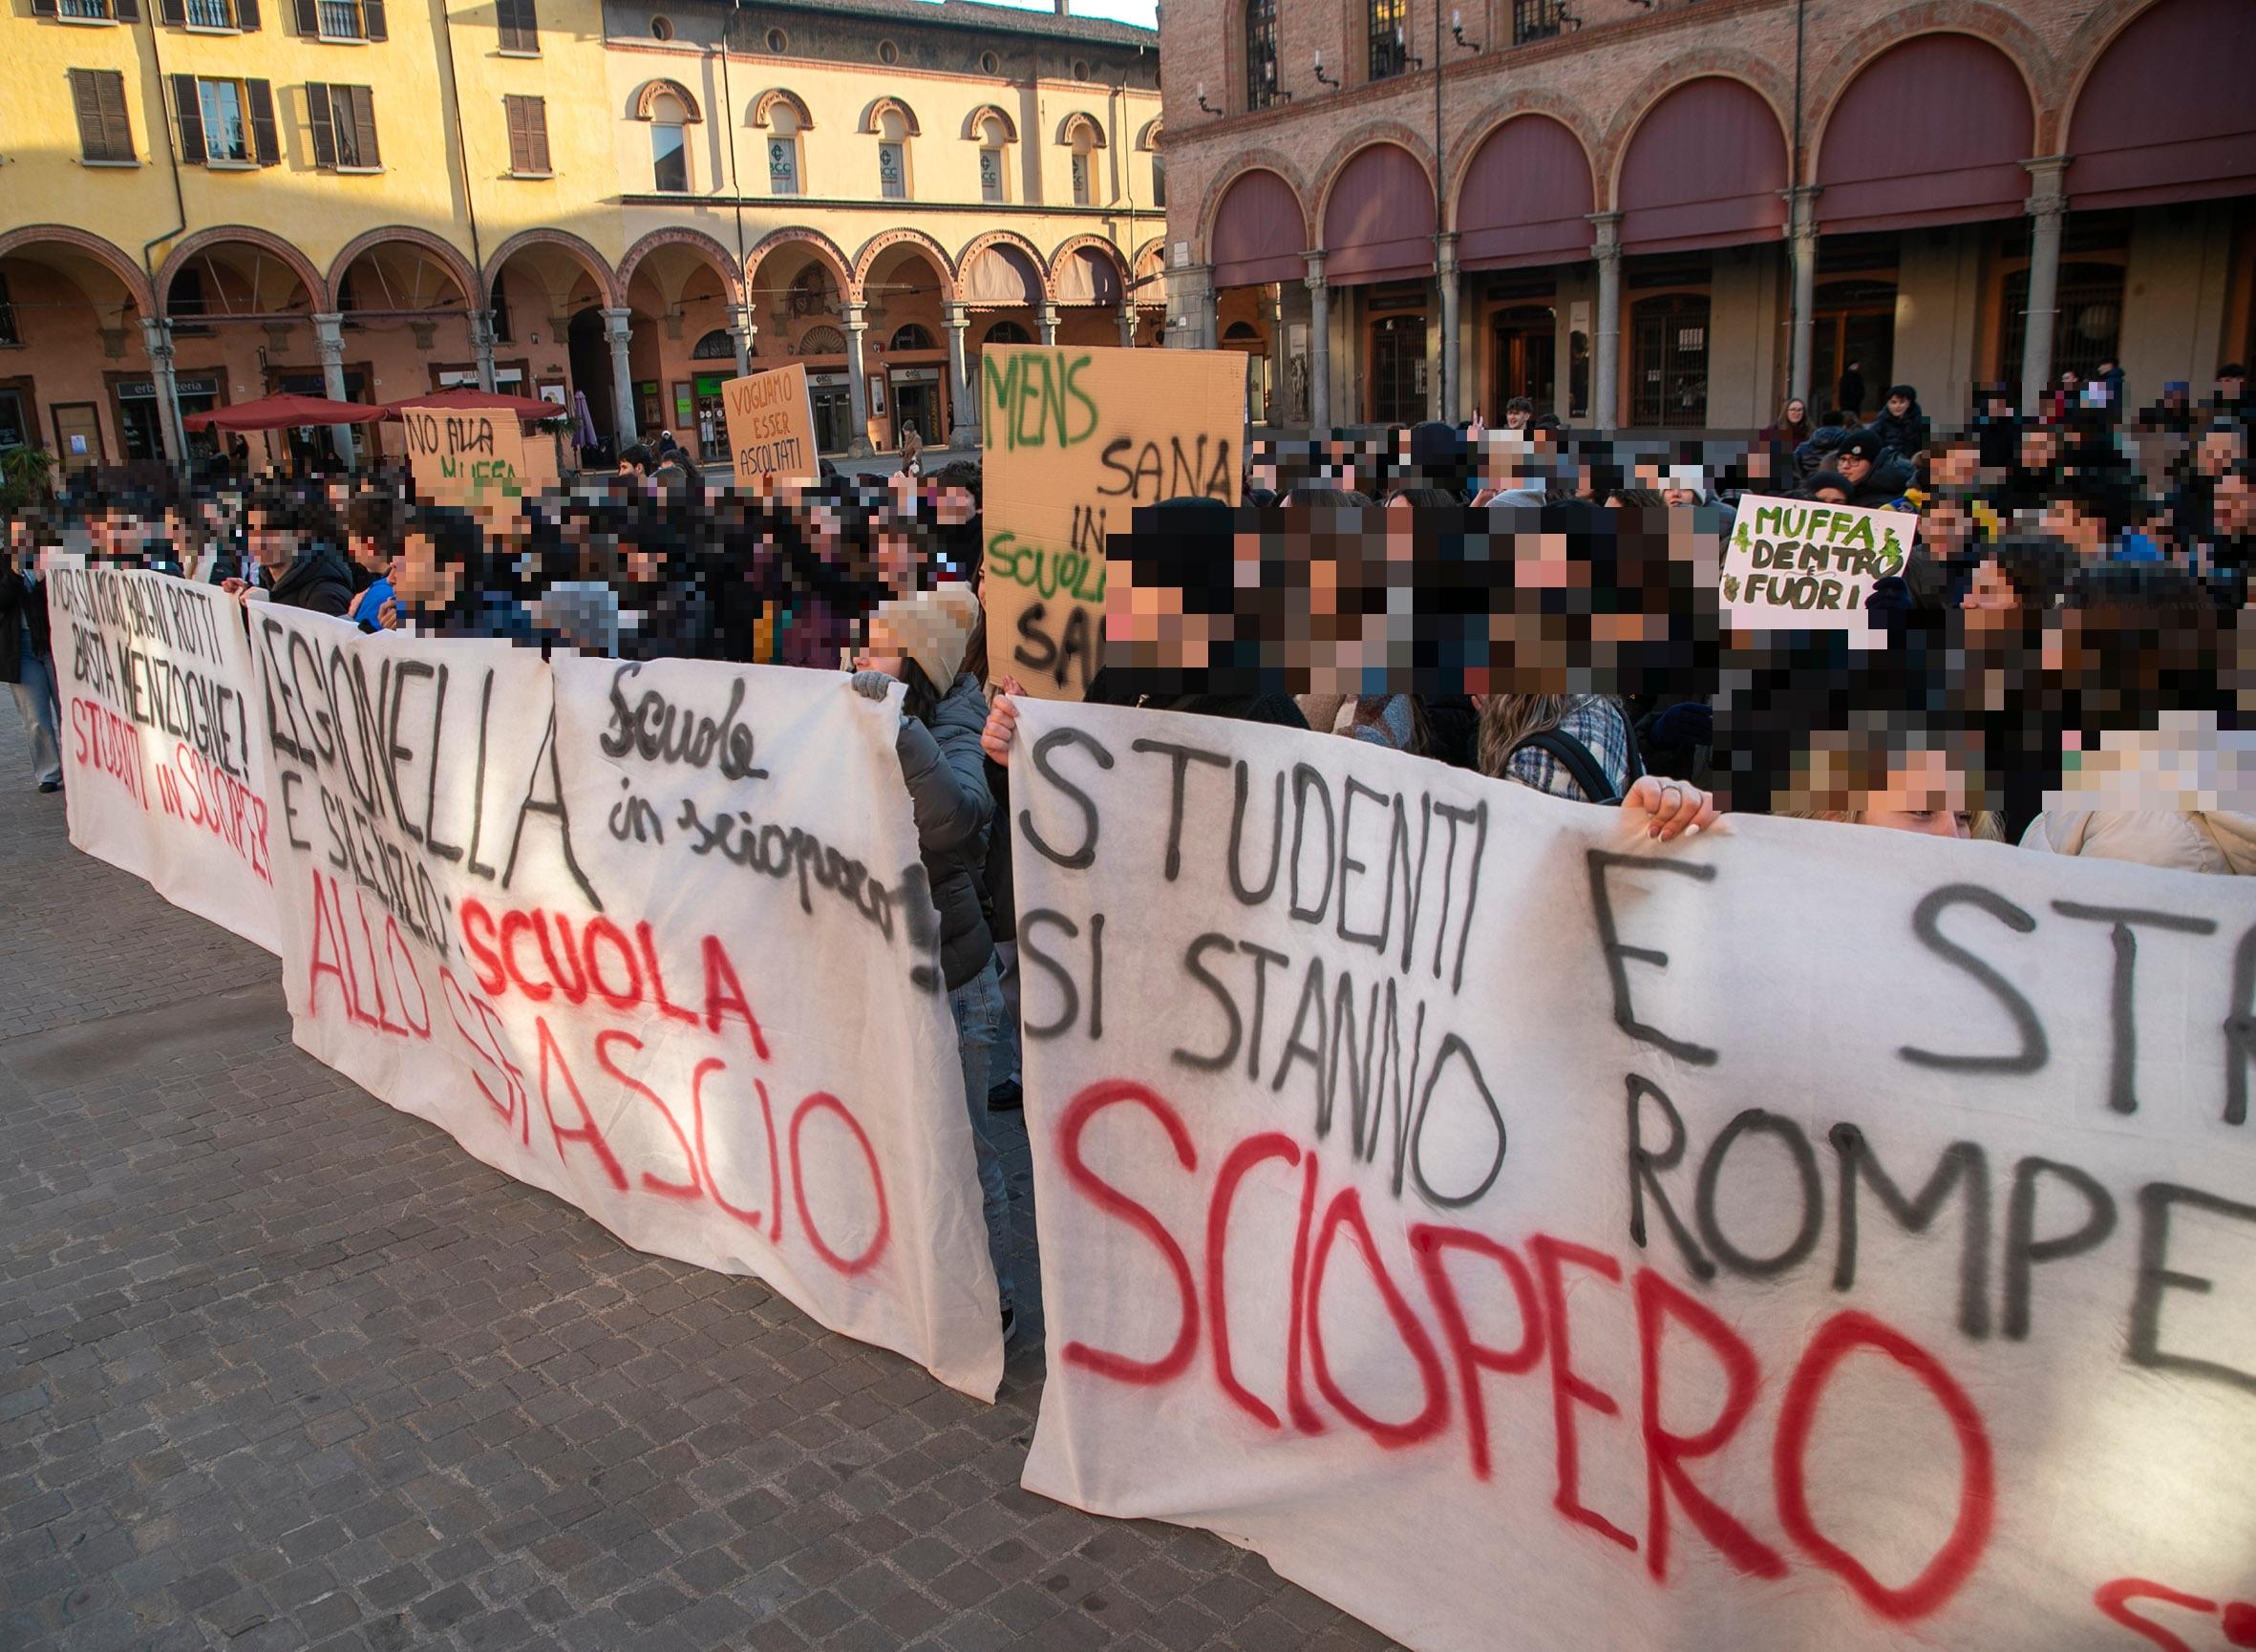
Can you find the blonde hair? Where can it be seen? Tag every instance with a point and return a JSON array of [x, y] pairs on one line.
[[1507, 719]]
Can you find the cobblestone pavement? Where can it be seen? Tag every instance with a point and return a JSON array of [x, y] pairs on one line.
[[282, 1367]]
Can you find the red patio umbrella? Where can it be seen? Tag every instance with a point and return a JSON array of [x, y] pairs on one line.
[[528, 409], [275, 413]]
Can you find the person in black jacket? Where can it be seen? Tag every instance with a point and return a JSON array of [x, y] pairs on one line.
[[294, 537], [27, 663], [1902, 427], [919, 641], [1876, 478], [1852, 389]]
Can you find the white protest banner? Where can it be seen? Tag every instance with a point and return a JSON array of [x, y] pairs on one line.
[[771, 425], [163, 766], [1527, 1234], [1075, 439], [470, 457], [654, 938], [1792, 564]]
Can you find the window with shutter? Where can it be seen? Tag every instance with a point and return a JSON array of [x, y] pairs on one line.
[[321, 119], [266, 138], [187, 107], [98, 95], [356, 129], [528, 135], [521, 25]]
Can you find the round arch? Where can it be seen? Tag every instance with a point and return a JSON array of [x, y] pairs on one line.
[[1149, 138], [1267, 236], [242, 235], [1707, 63], [1238, 165], [879, 108], [824, 249], [984, 113], [1756, 211], [1064, 283], [1961, 118], [1037, 265], [646, 96], [1523, 194], [1376, 223], [1985, 22], [445, 251], [107, 254], [763, 107], [1075, 121], [885, 239], [578, 250], [2144, 146], [1344, 152], [696, 240], [1491, 120]]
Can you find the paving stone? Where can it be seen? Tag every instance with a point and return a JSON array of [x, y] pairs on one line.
[[282, 1366]]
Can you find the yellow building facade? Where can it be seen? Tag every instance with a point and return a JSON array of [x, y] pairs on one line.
[[202, 201]]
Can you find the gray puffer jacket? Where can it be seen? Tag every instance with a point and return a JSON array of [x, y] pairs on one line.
[[947, 790]]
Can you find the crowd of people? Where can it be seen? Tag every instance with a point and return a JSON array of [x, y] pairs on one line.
[[2079, 575]]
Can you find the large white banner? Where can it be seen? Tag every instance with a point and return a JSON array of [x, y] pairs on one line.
[[1529, 1235], [654, 938], [163, 761]]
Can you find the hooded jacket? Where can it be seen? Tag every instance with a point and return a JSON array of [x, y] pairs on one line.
[[1904, 436], [320, 580], [947, 793]]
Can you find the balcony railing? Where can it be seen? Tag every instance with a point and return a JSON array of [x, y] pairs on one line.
[[340, 19], [209, 15]]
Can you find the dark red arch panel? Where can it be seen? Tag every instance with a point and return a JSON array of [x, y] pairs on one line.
[[1259, 232], [1934, 131], [1379, 224], [2168, 114], [1706, 168], [1526, 198]]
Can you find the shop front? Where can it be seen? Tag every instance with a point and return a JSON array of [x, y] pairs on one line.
[[139, 414]]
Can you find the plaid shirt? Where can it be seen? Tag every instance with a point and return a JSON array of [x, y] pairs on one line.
[[1600, 724]]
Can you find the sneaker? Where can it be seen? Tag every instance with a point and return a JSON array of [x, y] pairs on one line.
[[1009, 1323], [1006, 1097]]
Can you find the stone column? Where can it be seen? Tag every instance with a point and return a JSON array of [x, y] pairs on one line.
[[1279, 368], [743, 334], [1607, 367], [963, 395], [1445, 273], [2048, 213], [1127, 322], [1045, 317], [157, 339], [1801, 210], [857, 392], [1319, 348], [618, 329], [481, 345], [328, 342]]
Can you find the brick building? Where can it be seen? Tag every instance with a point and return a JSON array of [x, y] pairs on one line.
[[1675, 214]]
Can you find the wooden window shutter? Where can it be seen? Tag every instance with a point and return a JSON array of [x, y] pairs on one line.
[[116, 128], [321, 118], [86, 100], [187, 107], [371, 20], [362, 104], [174, 12], [308, 18], [521, 26], [266, 142], [521, 146], [247, 16]]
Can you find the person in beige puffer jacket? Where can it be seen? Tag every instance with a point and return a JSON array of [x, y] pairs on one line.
[[2187, 841]]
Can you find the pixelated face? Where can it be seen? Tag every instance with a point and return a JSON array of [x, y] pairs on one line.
[[882, 652], [2040, 445], [2235, 504], [417, 575], [1990, 594], [1899, 404], [1958, 464], [1924, 794], [1948, 526], [272, 544]]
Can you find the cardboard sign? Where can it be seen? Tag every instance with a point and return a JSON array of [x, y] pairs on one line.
[[469, 457], [771, 425], [655, 938], [1076, 438], [164, 762], [1791, 564], [1441, 1191]]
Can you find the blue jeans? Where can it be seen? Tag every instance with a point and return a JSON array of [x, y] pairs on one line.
[[35, 702], [978, 1009]]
